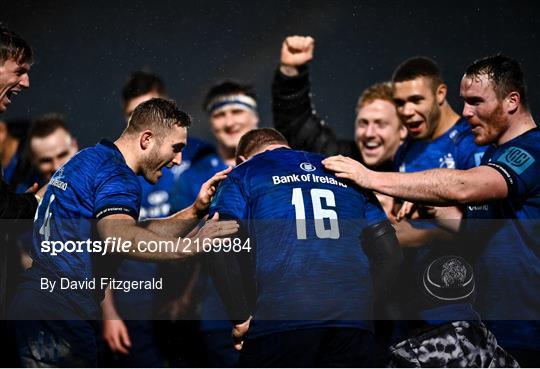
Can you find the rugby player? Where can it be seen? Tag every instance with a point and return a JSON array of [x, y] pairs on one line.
[[15, 62], [51, 145], [100, 184], [438, 138], [314, 291], [134, 321], [504, 186]]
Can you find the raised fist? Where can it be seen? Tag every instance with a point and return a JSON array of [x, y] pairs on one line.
[[297, 51]]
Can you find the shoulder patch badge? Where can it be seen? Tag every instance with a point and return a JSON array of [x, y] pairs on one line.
[[517, 159]]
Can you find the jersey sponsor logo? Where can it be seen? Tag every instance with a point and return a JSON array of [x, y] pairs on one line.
[[478, 208], [447, 161], [56, 180], [517, 159], [308, 167], [312, 178]]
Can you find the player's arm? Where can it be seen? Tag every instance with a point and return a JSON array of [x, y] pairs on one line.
[[294, 115], [447, 220], [124, 226], [183, 221], [115, 332], [230, 280], [230, 271], [437, 186]]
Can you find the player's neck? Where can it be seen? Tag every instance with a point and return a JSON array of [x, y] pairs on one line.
[[446, 121], [124, 146], [268, 148], [520, 123], [227, 155]]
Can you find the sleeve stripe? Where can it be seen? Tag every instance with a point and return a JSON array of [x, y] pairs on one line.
[[115, 209], [507, 174]]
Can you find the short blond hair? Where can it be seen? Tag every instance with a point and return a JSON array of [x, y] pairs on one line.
[[378, 91]]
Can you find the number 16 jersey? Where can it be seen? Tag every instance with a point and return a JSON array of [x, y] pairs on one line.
[[304, 227]]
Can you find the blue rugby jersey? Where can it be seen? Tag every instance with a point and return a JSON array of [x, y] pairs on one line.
[[455, 149], [157, 201], [509, 259], [304, 227], [93, 184]]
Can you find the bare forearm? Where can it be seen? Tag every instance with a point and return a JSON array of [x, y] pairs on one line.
[[143, 246], [176, 225], [139, 243], [436, 187], [107, 306], [421, 237]]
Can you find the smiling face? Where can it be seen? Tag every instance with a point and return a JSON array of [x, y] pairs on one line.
[[164, 151], [418, 106], [483, 109], [51, 152], [13, 79], [378, 132], [230, 123]]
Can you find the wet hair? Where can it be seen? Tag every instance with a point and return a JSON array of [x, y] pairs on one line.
[[256, 139], [12, 46], [504, 73], [159, 115], [46, 124], [228, 87], [378, 91], [416, 67], [141, 83]]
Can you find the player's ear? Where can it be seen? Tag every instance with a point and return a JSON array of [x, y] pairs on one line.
[[440, 93], [511, 102], [402, 132], [240, 159], [74, 144], [145, 139]]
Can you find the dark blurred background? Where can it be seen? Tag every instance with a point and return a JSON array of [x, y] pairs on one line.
[[85, 50]]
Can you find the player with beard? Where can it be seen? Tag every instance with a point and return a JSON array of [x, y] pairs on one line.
[[502, 190], [438, 138], [141, 328], [100, 184]]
